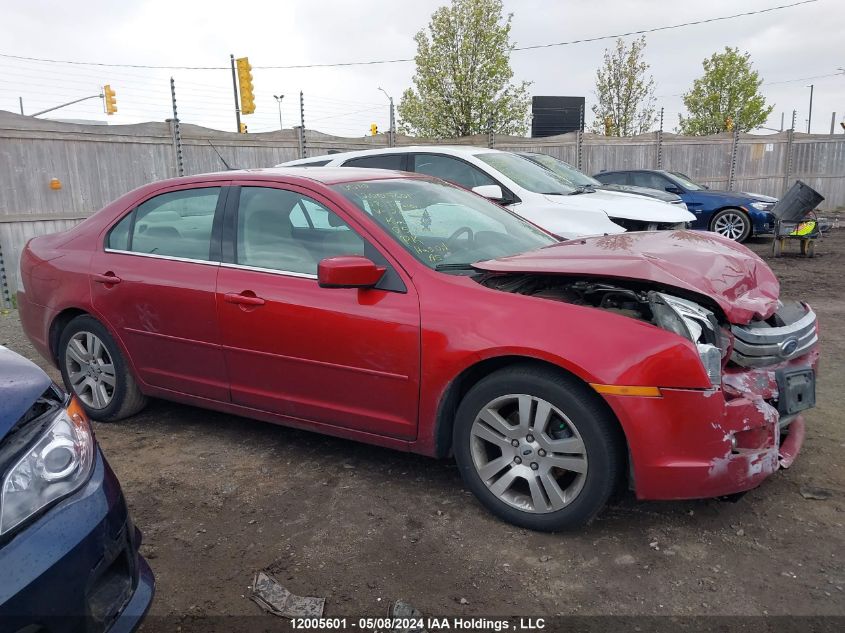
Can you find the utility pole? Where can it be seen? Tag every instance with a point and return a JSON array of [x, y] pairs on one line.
[[235, 89], [810, 115], [20, 99], [278, 99], [177, 132], [832, 123], [781, 121]]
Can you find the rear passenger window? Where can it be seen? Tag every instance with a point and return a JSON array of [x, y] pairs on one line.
[[384, 161], [174, 224], [451, 169]]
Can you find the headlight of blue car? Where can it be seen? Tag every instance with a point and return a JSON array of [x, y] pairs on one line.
[[762, 206], [56, 465]]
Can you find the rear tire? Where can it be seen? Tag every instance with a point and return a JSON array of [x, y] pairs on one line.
[[733, 224], [538, 448], [94, 370]]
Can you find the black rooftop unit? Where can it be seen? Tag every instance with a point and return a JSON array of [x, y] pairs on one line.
[[556, 115]]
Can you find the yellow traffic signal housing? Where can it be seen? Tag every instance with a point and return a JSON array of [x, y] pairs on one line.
[[243, 128], [729, 123], [245, 85], [110, 99], [373, 129]]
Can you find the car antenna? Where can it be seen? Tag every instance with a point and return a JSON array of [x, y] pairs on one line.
[[222, 160]]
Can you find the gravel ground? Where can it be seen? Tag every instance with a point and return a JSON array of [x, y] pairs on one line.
[[219, 497]]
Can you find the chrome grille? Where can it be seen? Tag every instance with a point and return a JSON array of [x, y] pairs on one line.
[[762, 343]]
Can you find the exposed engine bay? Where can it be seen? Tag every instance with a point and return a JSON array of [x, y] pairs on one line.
[[788, 333], [635, 300]]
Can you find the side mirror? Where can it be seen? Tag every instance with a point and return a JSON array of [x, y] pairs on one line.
[[674, 189], [491, 192], [348, 271]]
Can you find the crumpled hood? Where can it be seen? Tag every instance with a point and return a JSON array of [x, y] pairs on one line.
[[626, 205], [21, 383], [735, 278]]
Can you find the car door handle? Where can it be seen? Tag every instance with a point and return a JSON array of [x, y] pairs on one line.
[[242, 299], [108, 278]]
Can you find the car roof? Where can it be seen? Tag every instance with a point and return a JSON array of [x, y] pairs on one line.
[[451, 150], [323, 175]]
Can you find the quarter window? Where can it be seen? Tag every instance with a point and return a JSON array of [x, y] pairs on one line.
[[286, 231], [173, 224]]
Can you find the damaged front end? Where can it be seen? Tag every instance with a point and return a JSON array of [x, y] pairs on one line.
[[693, 443]]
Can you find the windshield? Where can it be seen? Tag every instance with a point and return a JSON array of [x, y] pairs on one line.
[[527, 174], [564, 170], [442, 225], [686, 181]]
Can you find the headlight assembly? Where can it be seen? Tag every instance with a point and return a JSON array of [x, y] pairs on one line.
[[761, 206], [694, 323], [57, 464]]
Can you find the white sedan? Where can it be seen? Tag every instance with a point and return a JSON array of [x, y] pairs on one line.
[[524, 187]]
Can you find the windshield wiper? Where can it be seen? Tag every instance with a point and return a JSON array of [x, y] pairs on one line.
[[583, 189], [461, 266]]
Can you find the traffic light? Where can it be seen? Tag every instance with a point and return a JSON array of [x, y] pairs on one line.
[[245, 85], [729, 123], [608, 125], [243, 128], [110, 99], [373, 129]]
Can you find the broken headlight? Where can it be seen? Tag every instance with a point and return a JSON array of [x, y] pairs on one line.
[[694, 323]]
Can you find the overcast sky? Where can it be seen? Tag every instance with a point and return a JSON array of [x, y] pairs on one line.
[[785, 45]]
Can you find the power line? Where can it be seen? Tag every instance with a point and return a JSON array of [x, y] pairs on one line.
[[409, 59]]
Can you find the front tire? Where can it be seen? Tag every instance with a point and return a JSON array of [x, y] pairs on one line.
[[538, 448], [94, 370], [733, 224]]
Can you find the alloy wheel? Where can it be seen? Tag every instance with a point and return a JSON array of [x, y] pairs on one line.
[[90, 370], [730, 225], [528, 453]]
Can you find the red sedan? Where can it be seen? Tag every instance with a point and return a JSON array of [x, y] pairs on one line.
[[402, 311]]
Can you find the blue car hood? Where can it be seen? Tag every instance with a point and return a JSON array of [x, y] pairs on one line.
[[739, 197], [21, 383]]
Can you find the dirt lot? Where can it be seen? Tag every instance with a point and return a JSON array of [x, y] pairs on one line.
[[220, 497]]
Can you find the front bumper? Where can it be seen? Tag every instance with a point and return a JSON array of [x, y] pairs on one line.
[[690, 444], [77, 567]]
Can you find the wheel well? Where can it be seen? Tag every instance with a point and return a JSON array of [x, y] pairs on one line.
[[468, 378], [731, 208], [57, 327]]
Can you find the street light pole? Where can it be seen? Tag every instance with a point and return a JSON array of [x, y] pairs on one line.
[[278, 99], [392, 136], [810, 114]]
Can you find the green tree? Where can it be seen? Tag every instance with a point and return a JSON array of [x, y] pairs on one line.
[[462, 83], [727, 95], [625, 92]]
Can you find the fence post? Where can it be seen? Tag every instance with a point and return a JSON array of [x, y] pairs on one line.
[[5, 291], [660, 142], [303, 147], [579, 140], [734, 147], [790, 134], [177, 132]]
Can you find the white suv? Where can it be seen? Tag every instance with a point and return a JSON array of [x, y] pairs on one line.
[[523, 186]]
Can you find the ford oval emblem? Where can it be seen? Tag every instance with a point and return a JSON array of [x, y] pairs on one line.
[[788, 347]]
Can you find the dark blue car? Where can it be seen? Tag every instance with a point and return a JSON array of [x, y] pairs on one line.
[[733, 214], [69, 557]]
